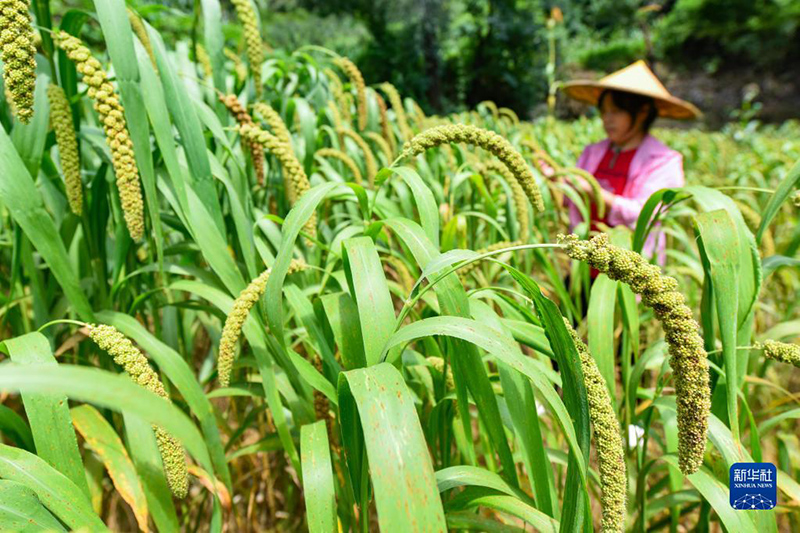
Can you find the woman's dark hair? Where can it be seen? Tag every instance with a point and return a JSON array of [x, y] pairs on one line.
[[632, 103]]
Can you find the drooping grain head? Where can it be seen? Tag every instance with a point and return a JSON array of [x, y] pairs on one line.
[[342, 104], [370, 165], [66, 140], [519, 198], [18, 53], [488, 140], [357, 81], [109, 108], [780, 351], [274, 121], [381, 143], [133, 361], [386, 126], [239, 68], [510, 114], [141, 33], [295, 179], [241, 115], [399, 110], [688, 356], [608, 440], [204, 60], [235, 320], [344, 158], [248, 18]]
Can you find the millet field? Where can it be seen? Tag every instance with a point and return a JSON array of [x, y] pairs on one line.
[[242, 290]]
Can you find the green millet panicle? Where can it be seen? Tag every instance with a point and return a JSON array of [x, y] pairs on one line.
[[235, 320], [488, 140], [597, 190], [688, 357], [369, 157], [780, 351], [344, 158], [438, 364], [133, 361], [403, 274], [753, 220], [452, 162], [107, 105], [141, 32], [419, 115], [381, 143], [18, 52], [464, 271], [336, 116], [357, 81], [519, 198], [492, 107], [337, 91], [241, 115], [796, 199], [239, 68], [510, 114], [540, 156], [607, 438], [274, 121], [61, 119], [248, 18], [386, 127], [399, 110], [294, 177], [204, 60]]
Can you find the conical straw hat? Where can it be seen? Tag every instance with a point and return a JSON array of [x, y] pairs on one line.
[[635, 78]]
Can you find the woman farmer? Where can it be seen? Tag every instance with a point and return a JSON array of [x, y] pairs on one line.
[[630, 165]]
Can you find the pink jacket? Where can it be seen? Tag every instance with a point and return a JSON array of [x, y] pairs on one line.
[[653, 167]]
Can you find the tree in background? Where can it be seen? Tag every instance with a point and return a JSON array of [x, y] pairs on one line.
[[764, 34], [452, 54], [504, 57], [448, 54]]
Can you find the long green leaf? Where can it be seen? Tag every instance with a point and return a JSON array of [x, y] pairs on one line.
[[575, 507], [719, 246], [14, 427], [19, 195], [505, 350], [114, 391], [48, 412], [789, 183], [181, 108], [60, 495], [368, 286], [600, 319], [318, 478], [401, 468], [21, 510]]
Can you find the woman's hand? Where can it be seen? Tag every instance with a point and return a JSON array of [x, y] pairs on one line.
[[544, 168], [608, 198], [583, 185]]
